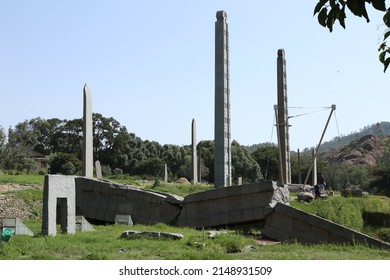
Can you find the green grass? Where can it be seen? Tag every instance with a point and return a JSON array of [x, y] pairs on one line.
[[160, 186], [105, 244], [22, 179], [179, 189], [348, 211]]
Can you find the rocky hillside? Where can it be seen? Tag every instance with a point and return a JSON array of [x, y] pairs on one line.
[[367, 150]]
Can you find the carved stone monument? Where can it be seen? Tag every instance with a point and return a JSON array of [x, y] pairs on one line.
[[194, 155], [222, 133], [87, 164], [282, 121]]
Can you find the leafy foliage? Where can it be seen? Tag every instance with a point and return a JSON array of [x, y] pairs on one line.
[[63, 163], [331, 11], [267, 158], [382, 180], [117, 150]]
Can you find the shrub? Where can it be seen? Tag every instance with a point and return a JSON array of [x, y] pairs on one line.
[[64, 163], [384, 234]]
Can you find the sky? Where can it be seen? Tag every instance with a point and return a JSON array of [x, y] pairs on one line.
[[150, 65]]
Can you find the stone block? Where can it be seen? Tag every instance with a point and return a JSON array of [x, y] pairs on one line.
[[286, 223], [59, 190], [145, 206], [227, 206]]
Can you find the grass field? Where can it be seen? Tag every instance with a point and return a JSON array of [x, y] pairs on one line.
[[105, 243], [22, 179]]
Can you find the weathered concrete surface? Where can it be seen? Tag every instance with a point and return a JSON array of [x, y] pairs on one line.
[[101, 200], [231, 205], [59, 190], [288, 223]]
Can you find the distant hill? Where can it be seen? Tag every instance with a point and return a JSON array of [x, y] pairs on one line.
[[378, 130], [367, 150]]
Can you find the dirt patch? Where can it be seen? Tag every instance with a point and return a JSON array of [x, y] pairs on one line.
[[15, 187]]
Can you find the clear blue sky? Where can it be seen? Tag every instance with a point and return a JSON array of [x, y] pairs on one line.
[[150, 65]]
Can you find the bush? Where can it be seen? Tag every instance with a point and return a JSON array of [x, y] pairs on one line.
[[117, 171], [384, 234], [106, 170], [68, 169], [62, 163]]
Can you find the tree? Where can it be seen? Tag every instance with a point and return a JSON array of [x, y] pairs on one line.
[[268, 157], [153, 167], [382, 180], [331, 11], [2, 138], [63, 163], [243, 165]]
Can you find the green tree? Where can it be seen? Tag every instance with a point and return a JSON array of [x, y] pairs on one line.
[[63, 163], [381, 181], [206, 154], [243, 165], [21, 142], [151, 167], [3, 139], [105, 130], [267, 157], [331, 11]]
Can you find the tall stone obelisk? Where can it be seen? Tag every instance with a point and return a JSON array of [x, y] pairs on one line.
[[282, 121], [222, 133], [194, 154], [87, 164]]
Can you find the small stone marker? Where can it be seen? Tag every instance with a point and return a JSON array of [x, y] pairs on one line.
[[98, 168], [165, 173], [123, 220]]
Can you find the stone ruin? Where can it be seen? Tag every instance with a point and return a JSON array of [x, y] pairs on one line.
[[264, 204]]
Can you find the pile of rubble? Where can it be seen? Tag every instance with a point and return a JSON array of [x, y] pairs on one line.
[[12, 206]]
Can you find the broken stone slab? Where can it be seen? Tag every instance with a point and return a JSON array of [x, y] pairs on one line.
[[287, 223], [103, 201], [153, 234], [233, 205]]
